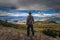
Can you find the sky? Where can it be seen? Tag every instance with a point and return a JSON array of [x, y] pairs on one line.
[[41, 9]]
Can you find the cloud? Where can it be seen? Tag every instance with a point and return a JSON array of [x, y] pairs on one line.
[[8, 2], [2, 13], [33, 7], [37, 16], [42, 14], [33, 4]]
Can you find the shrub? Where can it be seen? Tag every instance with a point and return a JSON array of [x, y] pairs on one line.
[[59, 34], [7, 24], [50, 33]]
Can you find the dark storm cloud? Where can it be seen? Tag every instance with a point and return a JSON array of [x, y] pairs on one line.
[[49, 4], [33, 4]]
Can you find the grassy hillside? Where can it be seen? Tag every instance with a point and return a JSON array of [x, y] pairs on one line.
[[9, 31]]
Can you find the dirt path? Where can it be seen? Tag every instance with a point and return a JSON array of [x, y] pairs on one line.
[[10, 34]]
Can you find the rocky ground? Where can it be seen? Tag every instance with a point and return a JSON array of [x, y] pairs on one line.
[[10, 34]]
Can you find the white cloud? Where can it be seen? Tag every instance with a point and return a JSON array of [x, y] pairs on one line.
[[17, 14], [26, 14], [44, 15], [3, 13]]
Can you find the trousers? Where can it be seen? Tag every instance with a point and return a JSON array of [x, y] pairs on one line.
[[30, 26]]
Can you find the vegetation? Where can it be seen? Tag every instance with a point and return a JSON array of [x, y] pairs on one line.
[[51, 30], [37, 26]]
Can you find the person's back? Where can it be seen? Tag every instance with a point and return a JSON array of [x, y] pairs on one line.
[[30, 21]]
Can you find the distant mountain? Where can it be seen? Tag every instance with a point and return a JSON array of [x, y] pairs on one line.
[[48, 20], [12, 18], [54, 19], [23, 18], [15, 18]]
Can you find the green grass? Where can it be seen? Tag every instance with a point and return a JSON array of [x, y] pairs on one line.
[[23, 27], [37, 27]]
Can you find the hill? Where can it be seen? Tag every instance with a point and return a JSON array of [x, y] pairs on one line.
[[9, 31], [11, 34]]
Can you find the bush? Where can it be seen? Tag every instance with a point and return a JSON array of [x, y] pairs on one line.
[[7, 24], [59, 34], [50, 33]]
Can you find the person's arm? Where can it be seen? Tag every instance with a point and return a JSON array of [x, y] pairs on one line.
[[27, 21]]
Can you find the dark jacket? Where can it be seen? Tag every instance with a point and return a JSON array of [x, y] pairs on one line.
[[30, 20]]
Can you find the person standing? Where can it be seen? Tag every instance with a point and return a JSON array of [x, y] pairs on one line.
[[30, 22]]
